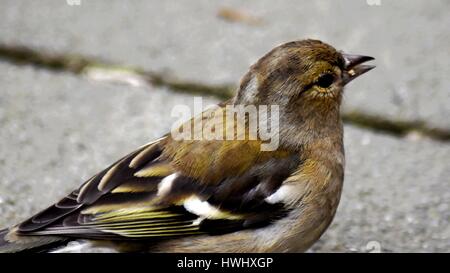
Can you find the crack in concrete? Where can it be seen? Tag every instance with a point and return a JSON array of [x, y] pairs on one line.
[[20, 55]]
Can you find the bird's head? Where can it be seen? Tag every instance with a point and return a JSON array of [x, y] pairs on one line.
[[305, 79], [301, 73]]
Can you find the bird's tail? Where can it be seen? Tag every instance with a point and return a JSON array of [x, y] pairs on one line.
[[11, 242]]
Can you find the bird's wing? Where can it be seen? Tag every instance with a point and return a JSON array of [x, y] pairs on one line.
[[173, 188]]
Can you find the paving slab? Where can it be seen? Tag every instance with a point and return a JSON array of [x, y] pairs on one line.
[[57, 130], [396, 196], [187, 39]]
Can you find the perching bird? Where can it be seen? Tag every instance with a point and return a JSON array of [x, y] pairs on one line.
[[220, 195]]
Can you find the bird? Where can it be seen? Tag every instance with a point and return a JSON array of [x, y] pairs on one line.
[[220, 195]]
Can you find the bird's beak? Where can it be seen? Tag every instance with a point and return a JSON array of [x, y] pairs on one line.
[[354, 67]]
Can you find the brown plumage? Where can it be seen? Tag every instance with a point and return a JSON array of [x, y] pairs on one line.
[[221, 195]]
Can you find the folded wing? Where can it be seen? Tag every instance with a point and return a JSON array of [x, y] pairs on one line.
[[147, 195]]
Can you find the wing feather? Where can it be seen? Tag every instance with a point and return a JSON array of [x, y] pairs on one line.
[[146, 196]]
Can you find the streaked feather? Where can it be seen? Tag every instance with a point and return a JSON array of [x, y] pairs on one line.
[[146, 194]]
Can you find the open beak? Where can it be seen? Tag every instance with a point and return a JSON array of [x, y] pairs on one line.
[[354, 67]]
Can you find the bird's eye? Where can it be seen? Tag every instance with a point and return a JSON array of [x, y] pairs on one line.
[[325, 80]]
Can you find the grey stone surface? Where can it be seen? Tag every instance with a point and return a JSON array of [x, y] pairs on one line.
[[396, 193], [57, 130], [409, 38]]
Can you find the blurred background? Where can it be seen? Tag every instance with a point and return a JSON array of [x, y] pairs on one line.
[[83, 82]]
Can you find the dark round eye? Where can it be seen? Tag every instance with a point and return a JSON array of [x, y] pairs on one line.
[[325, 80]]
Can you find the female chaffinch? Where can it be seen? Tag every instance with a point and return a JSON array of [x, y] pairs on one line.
[[197, 195]]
